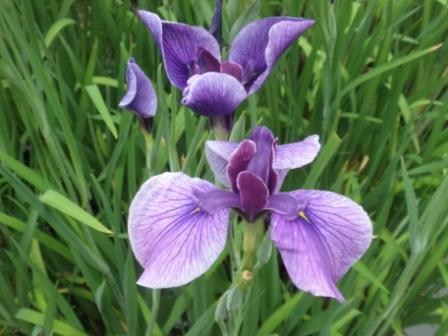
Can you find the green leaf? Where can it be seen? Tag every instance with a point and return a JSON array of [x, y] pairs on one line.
[[36, 318], [63, 204], [55, 29], [97, 99]]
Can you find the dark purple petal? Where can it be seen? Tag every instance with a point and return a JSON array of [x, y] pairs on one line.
[[206, 61], [140, 96], [172, 238], [260, 44], [213, 94], [261, 163], [179, 44], [253, 194], [298, 154], [239, 161], [215, 27], [218, 154], [232, 69], [212, 201], [325, 239]]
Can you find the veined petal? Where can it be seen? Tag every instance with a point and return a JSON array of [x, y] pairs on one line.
[[298, 154], [173, 239], [179, 43], [140, 96], [218, 154], [213, 94], [325, 239], [260, 44]]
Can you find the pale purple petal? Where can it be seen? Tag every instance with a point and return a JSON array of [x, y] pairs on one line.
[[298, 154], [218, 154], [253, 194], [179, 44], [213, 94], [172, 238], [260, 44], [140, 96], [327, 237]]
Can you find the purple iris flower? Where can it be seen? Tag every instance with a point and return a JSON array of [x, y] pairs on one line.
[[192, 59], [140, 96], [178, 224]]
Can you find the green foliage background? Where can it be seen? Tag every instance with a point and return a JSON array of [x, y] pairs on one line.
[[370, 77]]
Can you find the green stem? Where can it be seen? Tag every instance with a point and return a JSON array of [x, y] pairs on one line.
[[253, 233], [219, 128], [149, 142], [154, 311]]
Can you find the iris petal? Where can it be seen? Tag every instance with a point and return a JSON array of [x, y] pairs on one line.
[[218, 154], [297, 154], [140, 96], [213, 94], [323, 241], [253, 194], [179, 44], [173, 239], [261, 43]]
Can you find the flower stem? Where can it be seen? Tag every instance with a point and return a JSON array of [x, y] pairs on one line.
[[253, 233], [221, 126], [154, 311], [149, 142]]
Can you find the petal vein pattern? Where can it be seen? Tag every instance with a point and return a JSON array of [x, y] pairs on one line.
[[319, 247], [173, 239]]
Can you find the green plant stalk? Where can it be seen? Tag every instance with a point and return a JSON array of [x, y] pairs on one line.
[[149, 142]]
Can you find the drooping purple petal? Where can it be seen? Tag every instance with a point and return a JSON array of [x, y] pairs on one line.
[[213, 94], [260, 44], [327, 237], [140, 96], [285, 204], [172, 238], [211, 201], [218, 154], [298, 154], [239, 161], [253, 194], [179, 44]]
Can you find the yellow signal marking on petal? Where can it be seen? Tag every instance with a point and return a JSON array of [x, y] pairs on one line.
[[302, 214], [196, 210]]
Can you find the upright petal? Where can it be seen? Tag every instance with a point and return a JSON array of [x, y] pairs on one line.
[[240, 160], [213, 94], [218, 154], [179, 44], [140, 96], [261, 163], [260, 44], [298, 154], [215, 27], [172, 238], [326, 238]]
